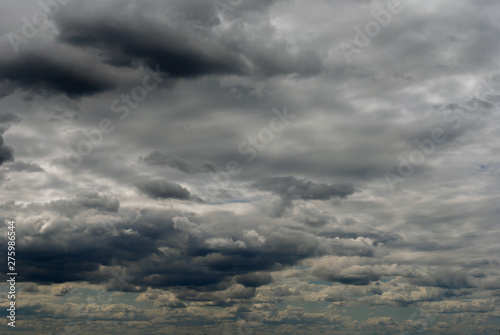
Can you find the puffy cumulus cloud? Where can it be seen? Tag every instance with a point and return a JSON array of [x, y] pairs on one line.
[[357, 270], [182, 223], [380, 321], [61, 290], [298, 315], [345, 246], [253, 237], [461, 306], [329, 294], [163, 248], [155, 251], [161, 299], [401, 294], [311, 215]]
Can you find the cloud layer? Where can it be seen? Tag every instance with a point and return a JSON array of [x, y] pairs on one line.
[[190, 209]]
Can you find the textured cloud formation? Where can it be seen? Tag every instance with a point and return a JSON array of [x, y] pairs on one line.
[[291, 188], [374, 211], [154, 44], [43, 74]]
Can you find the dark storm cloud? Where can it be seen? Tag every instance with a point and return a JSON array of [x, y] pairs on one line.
[[45, 74], [6, 152], [191, 49], [162, 189], [158, 248], [254, 279], [84, 247], [175, 53]]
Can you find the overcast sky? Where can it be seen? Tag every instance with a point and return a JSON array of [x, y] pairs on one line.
[[252, 166]]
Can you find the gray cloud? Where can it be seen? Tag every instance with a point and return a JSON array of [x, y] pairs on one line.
[[21, 166], [44, 74], [6, 152], [303, 252], [254, 279], [160, 159], [153, 44], [6, 120], [162, 189], [92, 199], [292, 188]]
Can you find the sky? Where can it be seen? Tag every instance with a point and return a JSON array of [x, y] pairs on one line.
[[251, 166]]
